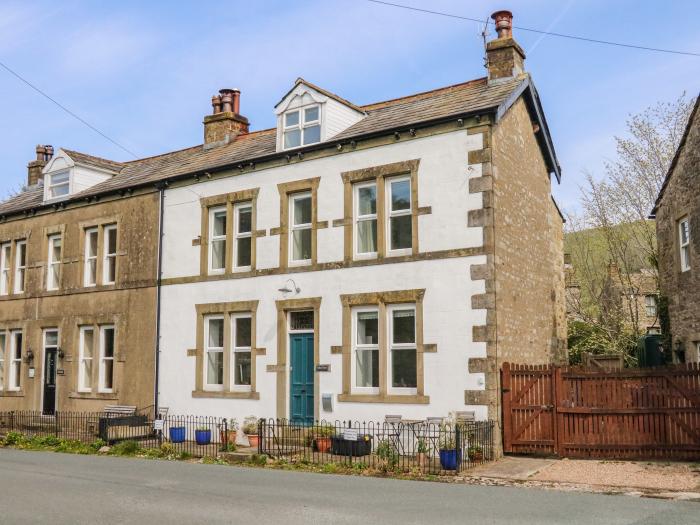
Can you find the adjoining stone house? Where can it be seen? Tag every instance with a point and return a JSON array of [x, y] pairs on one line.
[[359, 261], [677, 213], [77, 288]]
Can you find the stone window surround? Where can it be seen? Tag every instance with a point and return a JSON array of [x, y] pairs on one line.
[[47, 232], [8, 328], [229, 200], [379, 174], [100, 224], [227, 310], [381, 300], [13, 239], [682, 216]]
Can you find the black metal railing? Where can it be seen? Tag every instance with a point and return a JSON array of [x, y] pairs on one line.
[[398, 446], [198, 436]]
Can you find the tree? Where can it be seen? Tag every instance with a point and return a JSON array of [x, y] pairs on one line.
[[613, 239]]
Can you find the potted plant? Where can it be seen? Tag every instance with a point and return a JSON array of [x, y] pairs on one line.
[[422, 452], [250, 429], [449, 455], [387, 454], [231, 429], [202, 435], [177, 434], [323, 437], [475, 453]]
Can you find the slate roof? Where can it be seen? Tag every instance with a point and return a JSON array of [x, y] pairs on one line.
[[470, 97]]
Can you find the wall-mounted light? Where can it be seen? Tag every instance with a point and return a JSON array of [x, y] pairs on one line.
[[61, 354], [29, 356], [286, 289]]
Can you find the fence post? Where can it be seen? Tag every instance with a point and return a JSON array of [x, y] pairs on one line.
[[261, 435], [458, 446], [224, 445], [558, 428], [505, 396]]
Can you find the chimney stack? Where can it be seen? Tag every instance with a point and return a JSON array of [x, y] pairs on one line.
[[225, 123], [35, 167], [505, 59]]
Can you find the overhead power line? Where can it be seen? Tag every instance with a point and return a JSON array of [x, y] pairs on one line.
[[539, 31], [64, 108]]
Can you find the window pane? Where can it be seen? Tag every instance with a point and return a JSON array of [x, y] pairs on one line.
[[311, 114], [109, 342], [243, 328], [302, 210], [52, 338], [92, 244], [367, 196], [684, 232], [215, 368], [301, 250], [367, 368], [401, 195], [86, 371], [108, 373], [367, 236], [242, 368], [22, 254], [219, 227], [403, 368], [88, 341], [218, 254], [292, 138], [291, 118], [301, 320], [404, 326], [216, 333], [58, 178], [111, 241], [92, 271], [59, 191], [111, 270], [56, 250], [312, 134], [401, 232], [54, 275], [245, 220], [367, 328], [243, 252]]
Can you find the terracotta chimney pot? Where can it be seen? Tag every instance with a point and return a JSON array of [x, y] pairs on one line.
[[504, 23], [216, 104]]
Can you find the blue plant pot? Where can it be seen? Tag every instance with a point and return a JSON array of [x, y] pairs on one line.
[[202, 437], [178, 434], [449, 459]]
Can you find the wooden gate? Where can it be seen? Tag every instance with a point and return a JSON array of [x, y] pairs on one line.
[[588, 412]]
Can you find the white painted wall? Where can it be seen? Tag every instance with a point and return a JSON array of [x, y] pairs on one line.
[[84, 178], [443, 184]]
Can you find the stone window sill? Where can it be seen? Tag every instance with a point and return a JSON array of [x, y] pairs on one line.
[[111, 396], [225, 395], [12, 393], [393, 399]]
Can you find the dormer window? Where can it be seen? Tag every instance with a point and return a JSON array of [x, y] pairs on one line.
[[58, 184], [302, 127]]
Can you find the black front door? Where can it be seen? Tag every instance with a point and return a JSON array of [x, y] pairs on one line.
[[49, 381]]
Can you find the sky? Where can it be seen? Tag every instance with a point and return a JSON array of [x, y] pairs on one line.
[[144, 73]]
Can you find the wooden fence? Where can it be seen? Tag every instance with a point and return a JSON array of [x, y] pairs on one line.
[[588, 412]]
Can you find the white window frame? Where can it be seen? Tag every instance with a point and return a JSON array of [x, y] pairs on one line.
[[3, 350], [20, 269], [650, 305], [217, 238], [238, 235], [367, 217], [299, 227], [103, 358], [82, 359], [213, 387], [5, 267], [51, 283], [391, 346], [697, 351], [399, 213], [684, 246], [51, 185], [90, 259], [362, 347], [302, 125], [109, 259], [242, 349], [15, 375]]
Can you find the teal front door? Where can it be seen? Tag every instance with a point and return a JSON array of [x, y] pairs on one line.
[[301, 403]]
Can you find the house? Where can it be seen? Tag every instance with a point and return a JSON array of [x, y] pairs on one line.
[[353, 261], [677, 213], [362, 260], [77, 288]]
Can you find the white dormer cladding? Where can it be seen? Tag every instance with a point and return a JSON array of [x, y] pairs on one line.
[[308, 115], [64, 177]]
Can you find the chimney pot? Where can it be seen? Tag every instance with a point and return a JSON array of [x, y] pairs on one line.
[[226, 100], [236, 93], [35, 167], [216, 104], [40, 153], [504, 23]]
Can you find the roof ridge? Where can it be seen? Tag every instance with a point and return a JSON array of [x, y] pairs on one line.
[[103, 159], [391, 101]]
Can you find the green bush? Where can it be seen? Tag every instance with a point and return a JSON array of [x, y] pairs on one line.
[[386, 452], [13, 438], [126, 448]]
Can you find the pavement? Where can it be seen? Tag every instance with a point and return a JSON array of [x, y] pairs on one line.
[[668, 480], [46, 487]]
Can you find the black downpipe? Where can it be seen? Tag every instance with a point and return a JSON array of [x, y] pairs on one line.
[[161, 189]]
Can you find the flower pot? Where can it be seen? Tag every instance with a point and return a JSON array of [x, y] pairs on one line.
[[254, 439], [231, 437], [177, 434], [202, 437], [323, 444], [449, 459]]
